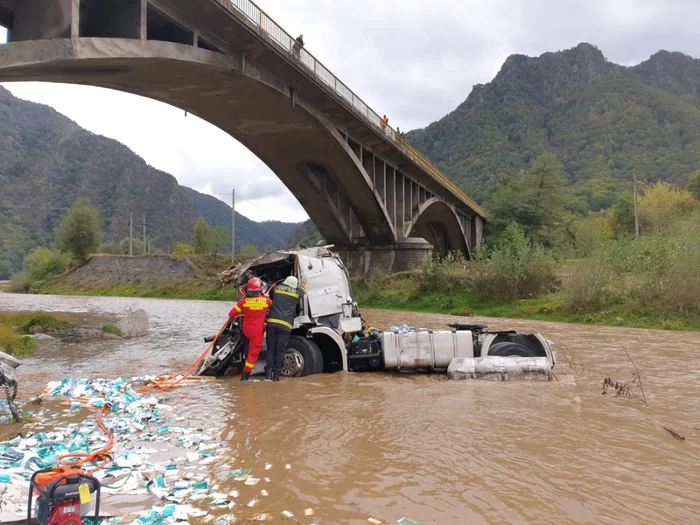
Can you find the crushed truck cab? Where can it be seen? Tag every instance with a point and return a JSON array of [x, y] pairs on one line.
[[329, 333]]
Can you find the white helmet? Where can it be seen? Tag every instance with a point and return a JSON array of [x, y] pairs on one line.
[[292, 282]]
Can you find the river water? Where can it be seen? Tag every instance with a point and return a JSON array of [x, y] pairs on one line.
[[385, 446]]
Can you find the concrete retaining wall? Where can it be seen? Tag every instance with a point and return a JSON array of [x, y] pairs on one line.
[[122, 269]]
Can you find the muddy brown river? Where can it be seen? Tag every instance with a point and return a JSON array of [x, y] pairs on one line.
[[385, 446]]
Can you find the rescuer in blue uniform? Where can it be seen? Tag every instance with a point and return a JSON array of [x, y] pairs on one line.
[[285, 300]]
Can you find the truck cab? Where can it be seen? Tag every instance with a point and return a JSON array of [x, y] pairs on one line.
[[329, 333]]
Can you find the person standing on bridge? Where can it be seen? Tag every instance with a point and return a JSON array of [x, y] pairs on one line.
[[298, 44], [253, 307], [285, 300]]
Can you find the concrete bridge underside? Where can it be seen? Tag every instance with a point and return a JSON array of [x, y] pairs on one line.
[[359, 195]]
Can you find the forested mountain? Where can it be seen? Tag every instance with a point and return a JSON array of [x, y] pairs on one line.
[[601, 120], [307, 234], [47, 161], [262, 235]]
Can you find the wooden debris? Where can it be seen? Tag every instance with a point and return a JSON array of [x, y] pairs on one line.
[[675, 434]]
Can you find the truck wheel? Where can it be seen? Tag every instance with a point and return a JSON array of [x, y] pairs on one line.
[[303, 358], [508, 349]]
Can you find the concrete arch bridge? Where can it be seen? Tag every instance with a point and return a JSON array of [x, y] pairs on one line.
[[365, 188]]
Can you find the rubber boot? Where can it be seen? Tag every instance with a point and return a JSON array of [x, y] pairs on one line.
[[269, 372], [245, 376], [275, 375]]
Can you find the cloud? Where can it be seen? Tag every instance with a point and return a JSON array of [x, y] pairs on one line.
[[413, 60]]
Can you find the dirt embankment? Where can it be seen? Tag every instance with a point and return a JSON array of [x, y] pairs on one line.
[[122, 269]]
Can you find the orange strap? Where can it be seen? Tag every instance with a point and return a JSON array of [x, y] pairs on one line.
[[162, 382]]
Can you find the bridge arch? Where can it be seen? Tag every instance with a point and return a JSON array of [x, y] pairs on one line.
[[438, 223], [230, 92]]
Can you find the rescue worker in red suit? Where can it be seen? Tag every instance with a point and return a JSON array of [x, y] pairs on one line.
[[253, 307]]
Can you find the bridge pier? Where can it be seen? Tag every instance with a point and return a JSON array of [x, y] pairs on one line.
[[408, 254]]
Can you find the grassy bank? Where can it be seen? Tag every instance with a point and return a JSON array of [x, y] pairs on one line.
[[546, 308], [403, 292], [651, 282], [14, 328], [204, 285]]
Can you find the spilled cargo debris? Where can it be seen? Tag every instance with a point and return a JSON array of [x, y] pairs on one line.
[[143, 426]]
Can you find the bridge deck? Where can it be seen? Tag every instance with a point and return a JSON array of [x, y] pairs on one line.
[[299, 67], [242, 27]]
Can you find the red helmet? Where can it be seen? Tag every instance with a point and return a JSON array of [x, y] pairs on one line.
[[255, 285]]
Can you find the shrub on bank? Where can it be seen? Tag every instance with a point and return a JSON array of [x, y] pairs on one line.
[[183, 249], [443, 274], [43, 263], [112, 248], [515, 268], [20, 282], [587, 287], [14, 343], [652, 271], [681, 284], [39, 322]]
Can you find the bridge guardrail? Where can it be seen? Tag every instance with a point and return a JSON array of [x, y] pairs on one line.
[[287, 43]]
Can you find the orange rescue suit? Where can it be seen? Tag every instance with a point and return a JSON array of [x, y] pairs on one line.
[[254, 310]]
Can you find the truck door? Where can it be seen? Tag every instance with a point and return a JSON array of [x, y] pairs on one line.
[[327, 288]]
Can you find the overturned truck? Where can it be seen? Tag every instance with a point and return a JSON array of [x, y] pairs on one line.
[[330, 335]]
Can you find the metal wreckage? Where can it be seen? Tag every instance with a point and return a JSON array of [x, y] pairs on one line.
[[330, 334]]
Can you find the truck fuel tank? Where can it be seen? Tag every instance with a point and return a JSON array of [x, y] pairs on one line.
[[425, 349]]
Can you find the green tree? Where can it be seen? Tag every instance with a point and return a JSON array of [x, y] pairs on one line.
[[590, 234], [622, 214], [80, 231], [661, 206], [694, 184], [112, 248], [536, 200], [202, 237], [137, 246], [42, 263], [183, 249], [219, 238]]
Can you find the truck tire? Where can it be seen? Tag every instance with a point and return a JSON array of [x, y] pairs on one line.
[[303, 358], [508, 349]]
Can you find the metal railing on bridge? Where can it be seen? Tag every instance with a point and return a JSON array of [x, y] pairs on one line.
[[298, 53]]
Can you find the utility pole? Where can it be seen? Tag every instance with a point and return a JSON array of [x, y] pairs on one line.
[[131, 234], [233, 227], [144, 235], [636, 211]]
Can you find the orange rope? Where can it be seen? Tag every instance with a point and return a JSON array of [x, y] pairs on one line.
[[162, 382], [93, 457], [165, 381]]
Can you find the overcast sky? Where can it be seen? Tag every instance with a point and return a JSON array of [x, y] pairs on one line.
[[413, 60]]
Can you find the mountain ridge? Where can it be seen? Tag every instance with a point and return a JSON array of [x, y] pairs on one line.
[[47, 161], [601, 119]]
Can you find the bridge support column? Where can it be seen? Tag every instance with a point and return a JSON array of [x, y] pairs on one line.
[[408, 254]]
